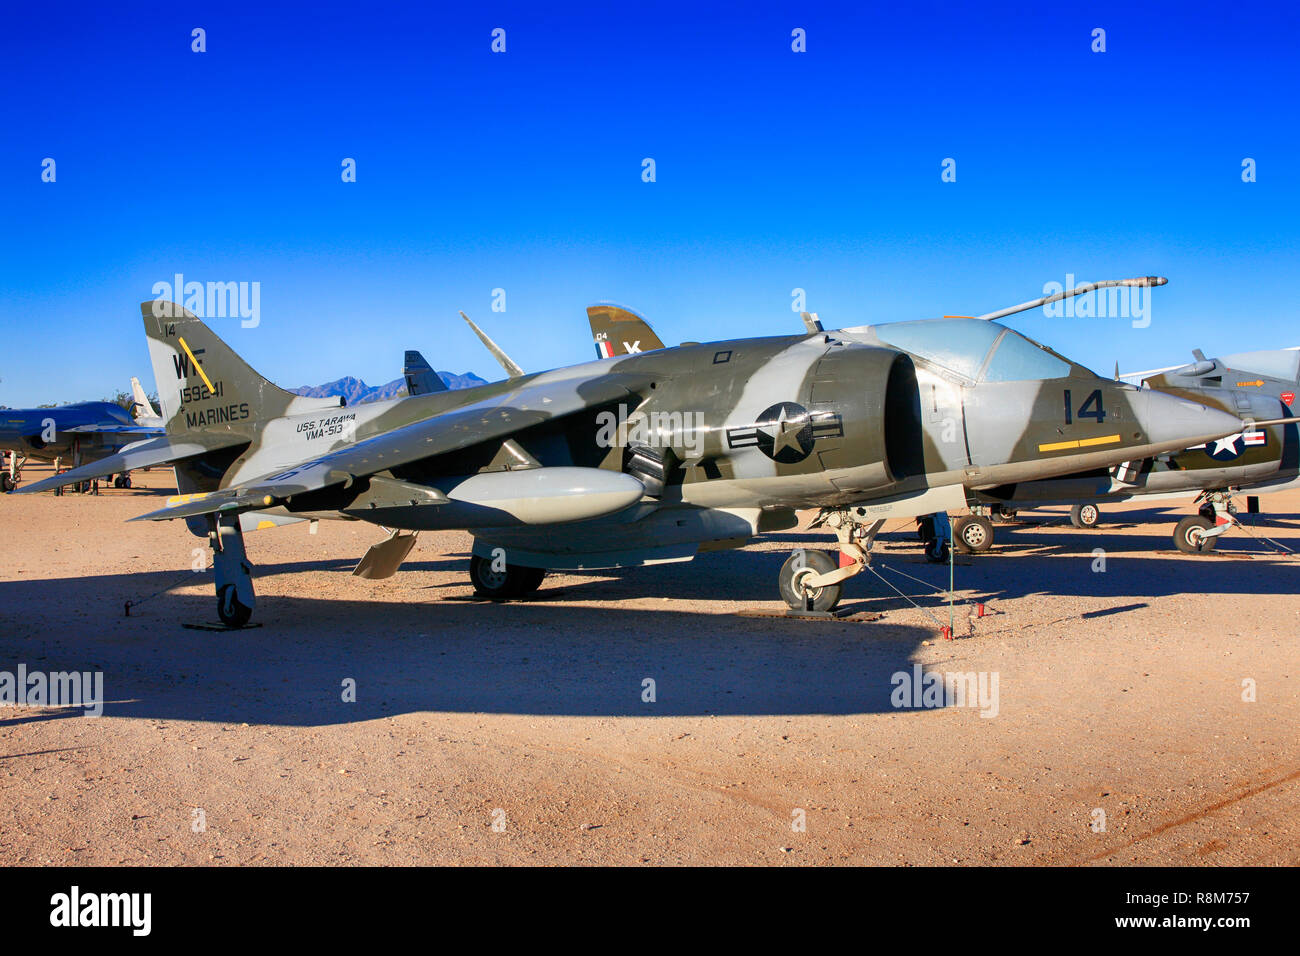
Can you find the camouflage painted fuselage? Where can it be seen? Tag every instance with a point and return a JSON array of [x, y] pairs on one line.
[[655, 455], [1259, 460]]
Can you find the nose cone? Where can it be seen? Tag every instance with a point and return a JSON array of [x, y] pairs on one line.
[[1171, 423]]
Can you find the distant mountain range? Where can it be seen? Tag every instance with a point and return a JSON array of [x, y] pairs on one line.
[[357, 392]]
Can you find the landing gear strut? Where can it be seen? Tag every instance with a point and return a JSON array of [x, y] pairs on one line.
[[936, 531], [811, 580], [13, 472], [234, 575], [1199, 533]]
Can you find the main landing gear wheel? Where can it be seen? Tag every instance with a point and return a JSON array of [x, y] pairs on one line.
[[122, 481], [6, 483], [1189, 536], [804, 564], [1002, 514], [1085, 516], [513, 581], [973, 533]]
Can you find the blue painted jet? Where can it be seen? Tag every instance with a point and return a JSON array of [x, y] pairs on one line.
[[81, 433]]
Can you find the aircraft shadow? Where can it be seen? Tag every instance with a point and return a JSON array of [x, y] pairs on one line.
[[432, 654], [438, 656], [1053, 560]]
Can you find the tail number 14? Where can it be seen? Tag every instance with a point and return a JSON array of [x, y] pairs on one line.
[[1091, 408]]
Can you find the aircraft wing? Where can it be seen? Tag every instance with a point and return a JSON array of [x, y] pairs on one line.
[[159, 450], [499, 416], [112, 430]]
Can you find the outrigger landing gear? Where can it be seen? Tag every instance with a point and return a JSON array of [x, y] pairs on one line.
[[12, 472], [234, 575], [810, 581], [500, 580]]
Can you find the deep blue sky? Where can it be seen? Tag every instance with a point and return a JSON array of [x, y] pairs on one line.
[[523, 171]]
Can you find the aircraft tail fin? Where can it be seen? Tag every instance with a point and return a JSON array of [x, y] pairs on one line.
[[203, 384], [619, 331], [142, 408], [421, 379]]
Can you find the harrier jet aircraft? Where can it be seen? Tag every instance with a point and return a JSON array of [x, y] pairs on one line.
[[650, 457], [83, 432], [1260, 459]]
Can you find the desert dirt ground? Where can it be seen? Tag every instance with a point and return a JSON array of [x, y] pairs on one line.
[[517, 733]]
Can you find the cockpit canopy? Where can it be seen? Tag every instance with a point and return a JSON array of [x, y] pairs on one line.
[[973, 348]]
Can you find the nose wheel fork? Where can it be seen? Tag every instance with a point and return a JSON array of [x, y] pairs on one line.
[[1199, 533], [811, 581]]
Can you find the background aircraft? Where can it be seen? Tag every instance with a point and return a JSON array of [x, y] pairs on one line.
[[77, 433], [1256, 386], [649, 457], [420, 377]]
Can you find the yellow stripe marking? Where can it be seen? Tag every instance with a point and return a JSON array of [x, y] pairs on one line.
[[197, 367], [1081, 443], [177, 500]]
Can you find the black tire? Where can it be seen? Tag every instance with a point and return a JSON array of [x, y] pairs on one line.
[[1187, 538], [1085, 516], [973, 534], [1003, 515], [937, 552], [117, 482], [126, 481], [515, 581], [6, 483], [802, 564], [232, 611]]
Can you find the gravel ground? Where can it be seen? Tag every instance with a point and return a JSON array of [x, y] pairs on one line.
[[518, 733]]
